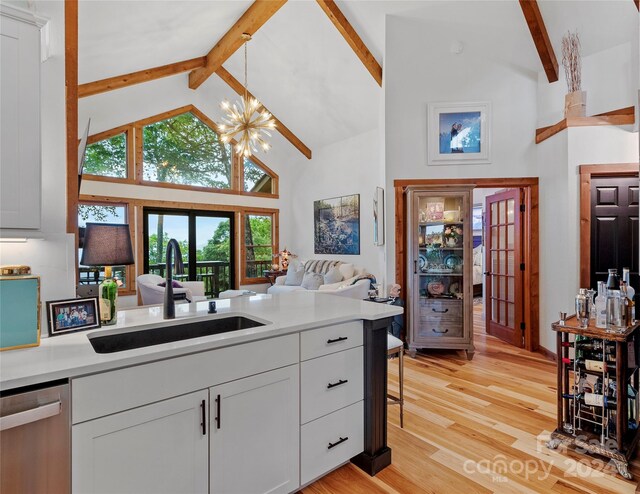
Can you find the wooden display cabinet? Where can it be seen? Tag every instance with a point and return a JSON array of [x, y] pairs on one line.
[[440, 248]]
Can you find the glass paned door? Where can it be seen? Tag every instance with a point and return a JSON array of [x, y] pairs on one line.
[[504, 287], [206, 243]]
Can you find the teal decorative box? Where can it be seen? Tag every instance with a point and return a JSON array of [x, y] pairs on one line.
[[19, 311]]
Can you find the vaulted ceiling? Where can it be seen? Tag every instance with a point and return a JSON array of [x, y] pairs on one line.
[[301, 67]]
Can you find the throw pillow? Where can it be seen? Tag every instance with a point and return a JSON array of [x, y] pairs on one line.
[[312, 281], [346, 270], [333, 276], [174, 284], [294, 277]]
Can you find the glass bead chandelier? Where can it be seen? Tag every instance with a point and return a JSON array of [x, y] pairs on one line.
[[248, 118]]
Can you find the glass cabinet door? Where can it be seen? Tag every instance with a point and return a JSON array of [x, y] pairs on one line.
[[440, 249]]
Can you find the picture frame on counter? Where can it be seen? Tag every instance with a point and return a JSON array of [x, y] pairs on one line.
[[459, 133], [69, 316]]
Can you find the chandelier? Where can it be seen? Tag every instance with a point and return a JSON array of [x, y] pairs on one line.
[[239, 119]]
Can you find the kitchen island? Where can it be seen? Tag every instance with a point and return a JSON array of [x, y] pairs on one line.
[[265, 409]]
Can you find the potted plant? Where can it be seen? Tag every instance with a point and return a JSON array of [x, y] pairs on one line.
[[575, 102]]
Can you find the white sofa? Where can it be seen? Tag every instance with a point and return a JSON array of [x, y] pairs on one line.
[[346, 288], [153, 294]]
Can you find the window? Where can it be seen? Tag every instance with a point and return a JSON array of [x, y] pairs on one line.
[[256, 179], [259, 246], [102, 213], [183, 150], [205, 241], [107, 157]]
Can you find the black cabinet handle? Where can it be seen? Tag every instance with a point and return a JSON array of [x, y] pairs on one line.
[[340, 382], [415, 267], [218, 418], [342, 439], [336, 340], [203, 409], [438, 331], [440, 311]]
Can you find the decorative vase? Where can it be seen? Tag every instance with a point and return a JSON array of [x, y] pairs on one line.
[[575, 104]]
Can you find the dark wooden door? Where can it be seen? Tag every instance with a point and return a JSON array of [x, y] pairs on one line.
[[614, 228], [503, 258]]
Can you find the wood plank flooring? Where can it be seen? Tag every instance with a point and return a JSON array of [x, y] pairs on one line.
[[478, 427]]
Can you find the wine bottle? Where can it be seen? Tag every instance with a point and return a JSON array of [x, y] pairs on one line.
[[625, 303], [598, 400], [601, 306], [631, 293], [591, 365]]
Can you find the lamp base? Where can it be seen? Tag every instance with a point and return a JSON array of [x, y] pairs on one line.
[[108, 297]]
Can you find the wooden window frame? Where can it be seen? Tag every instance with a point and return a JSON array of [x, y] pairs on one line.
[[275, 245], [131, 270], [128, 132], [135, 157]]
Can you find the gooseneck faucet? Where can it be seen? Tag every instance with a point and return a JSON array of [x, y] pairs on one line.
[[169, 304]]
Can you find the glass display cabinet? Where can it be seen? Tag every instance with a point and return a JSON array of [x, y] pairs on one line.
[[440, 248]]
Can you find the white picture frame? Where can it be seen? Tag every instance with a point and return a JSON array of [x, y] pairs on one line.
[[459, 133]]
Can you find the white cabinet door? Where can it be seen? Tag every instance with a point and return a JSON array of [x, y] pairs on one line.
[[255, 434], [19, 124], [158, 448]]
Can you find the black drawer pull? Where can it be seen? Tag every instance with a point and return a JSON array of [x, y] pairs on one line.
[[342, 439], [340, 381], [218, 415], [203, 409], [336, 340], [440, 311], [439, 331]]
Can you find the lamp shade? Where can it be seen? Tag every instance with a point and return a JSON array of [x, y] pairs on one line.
[[107, 244]]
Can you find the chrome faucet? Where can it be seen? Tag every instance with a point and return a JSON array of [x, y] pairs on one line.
[[169, 304]]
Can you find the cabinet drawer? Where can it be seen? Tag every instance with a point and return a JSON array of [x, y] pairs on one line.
[[443, 308], [330, 382], [330, 339], [440, 329], [122, 389], [330, 441]]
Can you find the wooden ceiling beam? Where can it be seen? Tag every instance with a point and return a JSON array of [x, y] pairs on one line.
[[253, 19], [120, 81], [637, 2], [540, 37], [351, 36], [237, 86]]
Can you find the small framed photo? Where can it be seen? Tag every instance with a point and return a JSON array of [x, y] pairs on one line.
[[67, 316], [459, 133]]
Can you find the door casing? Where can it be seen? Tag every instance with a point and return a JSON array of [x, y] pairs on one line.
[[530, 247]]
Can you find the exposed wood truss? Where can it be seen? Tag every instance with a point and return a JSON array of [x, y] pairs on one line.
[[120, 81], [637, 2], [540, 38], [252, 20], [237, 86], [357, 45]]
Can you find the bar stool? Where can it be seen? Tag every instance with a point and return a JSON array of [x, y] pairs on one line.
[[395, 346]]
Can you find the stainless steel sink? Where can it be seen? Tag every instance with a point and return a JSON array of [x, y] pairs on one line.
[[129, 340]]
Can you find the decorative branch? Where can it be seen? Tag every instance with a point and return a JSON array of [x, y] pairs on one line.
[[572, 61]]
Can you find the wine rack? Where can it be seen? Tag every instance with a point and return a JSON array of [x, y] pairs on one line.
[[598, 378]]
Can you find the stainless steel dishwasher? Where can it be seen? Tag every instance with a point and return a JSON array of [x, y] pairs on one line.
[[35, 438]]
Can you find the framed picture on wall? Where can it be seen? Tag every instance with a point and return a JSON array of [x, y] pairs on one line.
[[459, 133], [336, 225]]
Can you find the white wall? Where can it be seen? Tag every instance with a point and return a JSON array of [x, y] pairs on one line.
[[351, 166], [420, 69]]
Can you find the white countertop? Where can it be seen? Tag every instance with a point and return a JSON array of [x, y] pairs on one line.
[[71, 355]]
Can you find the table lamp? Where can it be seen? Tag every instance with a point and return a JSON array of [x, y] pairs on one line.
[[107, 244]]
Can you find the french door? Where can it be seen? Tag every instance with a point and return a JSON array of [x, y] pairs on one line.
[[503, 257], [206, 240]]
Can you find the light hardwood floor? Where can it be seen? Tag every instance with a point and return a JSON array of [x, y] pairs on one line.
[[464, 420]]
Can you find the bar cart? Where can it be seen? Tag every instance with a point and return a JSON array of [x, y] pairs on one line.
[[597, 391]]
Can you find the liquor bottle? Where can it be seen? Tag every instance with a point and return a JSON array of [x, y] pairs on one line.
[[613, 280], [625, 305], [631, 292], [601, 306]]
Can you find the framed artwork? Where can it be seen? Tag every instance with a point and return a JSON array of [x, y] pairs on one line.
[[336, 225], [378, 216], [476, 220], [459, 133], [67, 316]]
